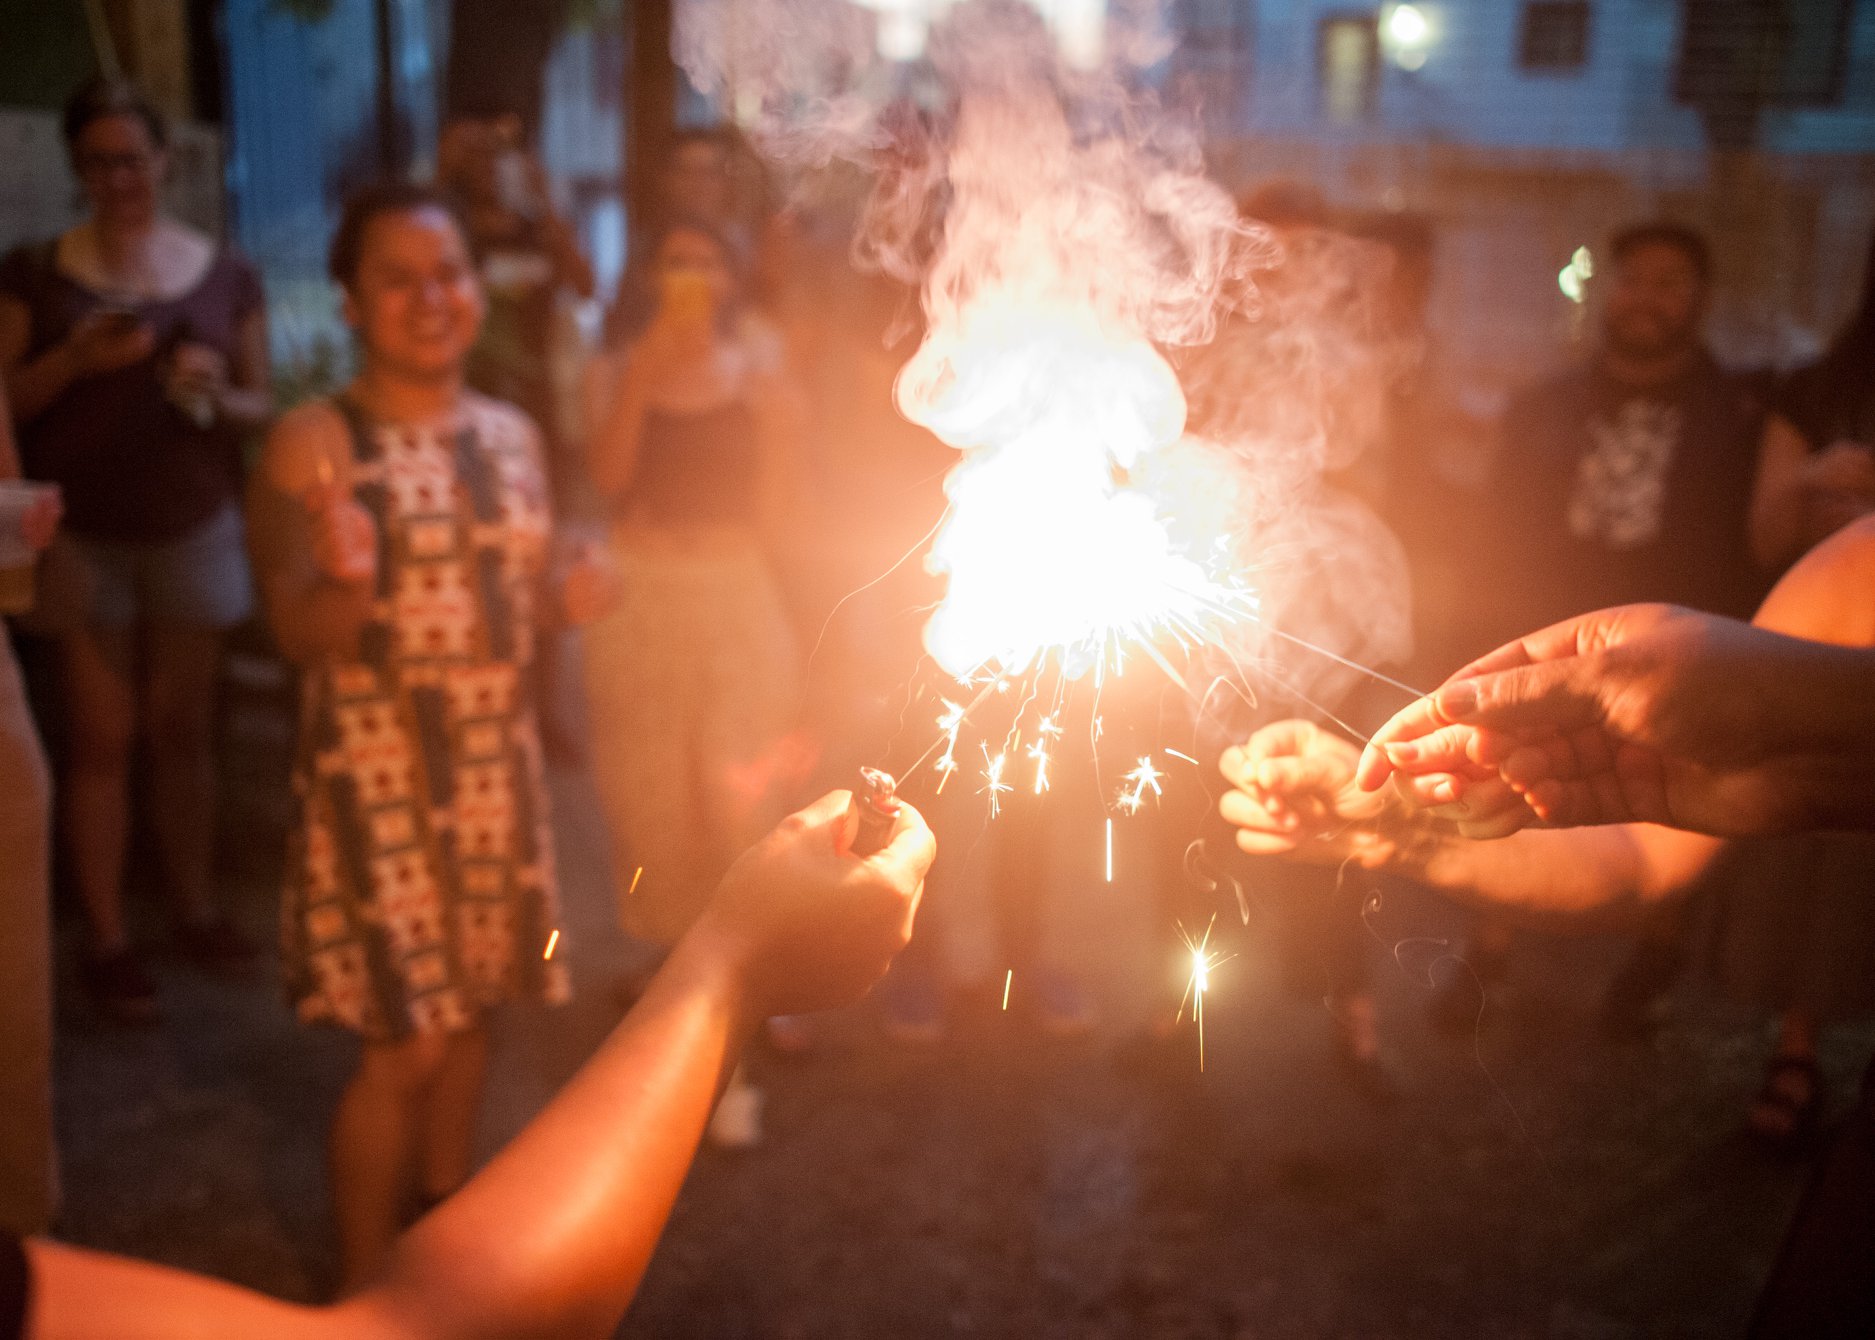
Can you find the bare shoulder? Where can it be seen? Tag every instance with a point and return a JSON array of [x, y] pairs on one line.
[[1829, 595], [503, 426], [307, 446], [1847, 557]]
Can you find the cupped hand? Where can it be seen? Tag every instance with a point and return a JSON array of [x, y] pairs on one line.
[[1294, 795], [806, 924], [1648, 713]]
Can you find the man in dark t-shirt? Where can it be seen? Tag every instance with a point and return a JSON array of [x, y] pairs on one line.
[[1629, 478], [1625, 479]]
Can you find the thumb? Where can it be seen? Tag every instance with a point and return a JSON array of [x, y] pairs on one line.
[[1548, 697]]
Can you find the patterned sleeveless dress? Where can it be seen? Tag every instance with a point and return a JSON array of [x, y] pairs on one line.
[[420, 883]]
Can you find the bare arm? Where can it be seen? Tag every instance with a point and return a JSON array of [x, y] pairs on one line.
[[98, 343], [315, 611], [571, 269], [1777, 496], [1296, 797], [1801, 497], [1651, 712], [553, 1236], [781, 421], [247, 401], [613, 456]]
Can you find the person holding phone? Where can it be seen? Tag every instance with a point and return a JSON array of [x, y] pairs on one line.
[[691, 680], [134, 350]]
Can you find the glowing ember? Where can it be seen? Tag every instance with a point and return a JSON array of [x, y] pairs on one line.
[[553, 942], [1203, 963], [1139, 781], [993, 784], [1046, 732]]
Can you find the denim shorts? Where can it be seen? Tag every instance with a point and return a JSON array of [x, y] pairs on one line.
[[200, 580]]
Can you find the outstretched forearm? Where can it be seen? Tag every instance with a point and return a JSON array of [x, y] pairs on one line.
[[1600, 873], [1822, 704], [553, 1236], [550, 1239]]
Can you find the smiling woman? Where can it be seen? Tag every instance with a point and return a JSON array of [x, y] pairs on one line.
[[402, 543]]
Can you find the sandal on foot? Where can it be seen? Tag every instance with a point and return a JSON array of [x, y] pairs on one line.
[[1789, 1105]]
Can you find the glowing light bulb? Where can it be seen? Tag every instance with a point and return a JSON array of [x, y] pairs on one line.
[[1407, 26]]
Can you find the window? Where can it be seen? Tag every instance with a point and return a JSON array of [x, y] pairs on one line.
[[1347, 56], [1762, 53], [1555, 35], [1210, 67]]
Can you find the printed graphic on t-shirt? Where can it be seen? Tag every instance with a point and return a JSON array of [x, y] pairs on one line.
[[1621, 485]]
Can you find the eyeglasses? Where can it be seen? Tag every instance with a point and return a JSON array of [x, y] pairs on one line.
[[103, 164]]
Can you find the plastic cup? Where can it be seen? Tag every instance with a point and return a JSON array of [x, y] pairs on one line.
[[18, 559]]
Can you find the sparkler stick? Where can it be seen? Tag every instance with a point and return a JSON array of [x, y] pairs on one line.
[[874, 810]]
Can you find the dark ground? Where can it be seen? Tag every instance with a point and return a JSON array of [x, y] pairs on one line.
[[1531, 1182]]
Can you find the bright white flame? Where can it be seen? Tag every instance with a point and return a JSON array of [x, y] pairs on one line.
[[1139, 781], [1050, 544], [1079, 27]]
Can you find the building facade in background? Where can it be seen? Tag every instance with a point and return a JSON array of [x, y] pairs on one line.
[[1524, 129]]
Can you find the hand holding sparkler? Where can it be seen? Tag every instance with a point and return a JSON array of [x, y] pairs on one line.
[[804, 923], [344, 534]]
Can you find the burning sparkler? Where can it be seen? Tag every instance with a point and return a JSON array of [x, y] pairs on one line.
[[1203, 963], [1061, 244], [1139, 781], [993, 784]]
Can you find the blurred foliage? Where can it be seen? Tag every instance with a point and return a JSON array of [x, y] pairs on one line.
[[321, 368]]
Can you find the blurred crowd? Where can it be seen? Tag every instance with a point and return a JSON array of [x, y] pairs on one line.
[[487, 560]]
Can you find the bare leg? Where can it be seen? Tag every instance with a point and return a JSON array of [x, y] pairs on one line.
[[94, 794], [179, 711], [447, 1136], [373, 1150]]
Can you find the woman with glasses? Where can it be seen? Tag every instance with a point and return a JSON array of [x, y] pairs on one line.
[[134, 350]]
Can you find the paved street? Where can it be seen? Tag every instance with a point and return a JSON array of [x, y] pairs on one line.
[[1532, 1181]]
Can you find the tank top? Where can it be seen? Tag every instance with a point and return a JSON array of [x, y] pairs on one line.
[[696, 469]]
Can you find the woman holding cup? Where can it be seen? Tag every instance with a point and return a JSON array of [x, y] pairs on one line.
[[135, 354]]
